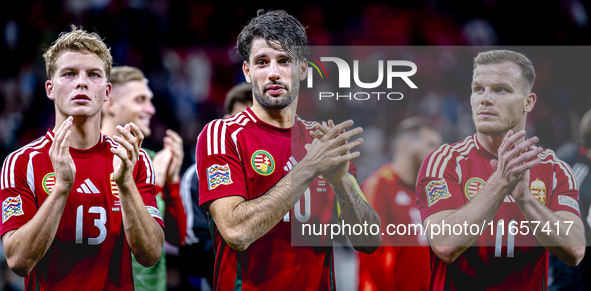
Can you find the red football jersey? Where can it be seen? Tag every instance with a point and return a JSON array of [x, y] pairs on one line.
[[402, 261], [89, 251], [450, 177], [244, 156]]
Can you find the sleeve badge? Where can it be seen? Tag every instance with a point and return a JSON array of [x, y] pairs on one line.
[[12, 206], [218, 175], [436, 190], [154, 211], [568, 201]]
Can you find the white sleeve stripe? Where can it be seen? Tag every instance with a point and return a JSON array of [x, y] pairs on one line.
[[246, 111], [432, 158], [566, 170], [238, 120], [572, 182], [463, 145], [149, 169], [4, 169], [208, 138], [234, 134], [234, 117], [448, 150], [223, 140], [45, 141], [436, 165], [215, 137], [436, 154], [31, 173], [470, 145], [7, 161], [444, 164]]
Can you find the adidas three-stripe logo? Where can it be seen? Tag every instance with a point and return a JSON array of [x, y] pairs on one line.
[[88, 188]]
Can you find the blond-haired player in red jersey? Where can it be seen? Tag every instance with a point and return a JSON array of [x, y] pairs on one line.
[[76, 203], [499, 177]]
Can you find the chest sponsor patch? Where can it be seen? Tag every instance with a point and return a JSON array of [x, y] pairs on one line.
[[538, 189], [12, 206], [472, 186], [154, 211], [568, 201], [262, 162], [218, 175], [48, 182], [436, 190]]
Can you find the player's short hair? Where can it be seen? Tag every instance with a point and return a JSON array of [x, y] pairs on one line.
[[274, 25], [410, 127], [77, 40], [494, 57], [585, 129], [241, 93], [123, 74]]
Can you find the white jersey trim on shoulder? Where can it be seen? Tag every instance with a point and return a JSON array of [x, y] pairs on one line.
[[568, 172], [151, 179], [10, 161], [213, 147], [440, 158]]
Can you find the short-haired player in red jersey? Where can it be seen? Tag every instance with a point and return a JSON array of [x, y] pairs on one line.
[[402, 261], [498, 176], [254, 167], [75, 203]]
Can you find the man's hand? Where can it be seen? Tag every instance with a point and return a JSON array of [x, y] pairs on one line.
[[174, 143], [161, 163], [339, 173], [332, 150], [514, 164], [127, 151], [59, 154]]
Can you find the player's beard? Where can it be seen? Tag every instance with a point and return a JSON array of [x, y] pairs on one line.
[[275, 103], [502, 125]]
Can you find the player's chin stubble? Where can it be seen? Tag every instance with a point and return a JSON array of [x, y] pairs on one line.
[[498, 128], [273, 103]]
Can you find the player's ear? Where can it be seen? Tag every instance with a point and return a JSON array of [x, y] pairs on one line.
[[303, 69], [108, 92], [49, 90], [530, 101], [246, 71]]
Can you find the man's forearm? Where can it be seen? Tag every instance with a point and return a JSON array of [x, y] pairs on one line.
[[144, 236], [482, 208], [355, 210], [251, 219], [568, 247], [26, 246]]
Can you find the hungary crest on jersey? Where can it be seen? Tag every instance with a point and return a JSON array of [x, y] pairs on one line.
[[538, 189], [472, 186], [262, 162]]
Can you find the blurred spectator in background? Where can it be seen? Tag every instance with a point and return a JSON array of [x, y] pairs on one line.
[[578, 156], [131, 101], [197, 256], [402, 262]]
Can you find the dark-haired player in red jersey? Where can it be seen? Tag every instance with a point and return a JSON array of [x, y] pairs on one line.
[[498, 175], [75, 203], [254, 168]]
